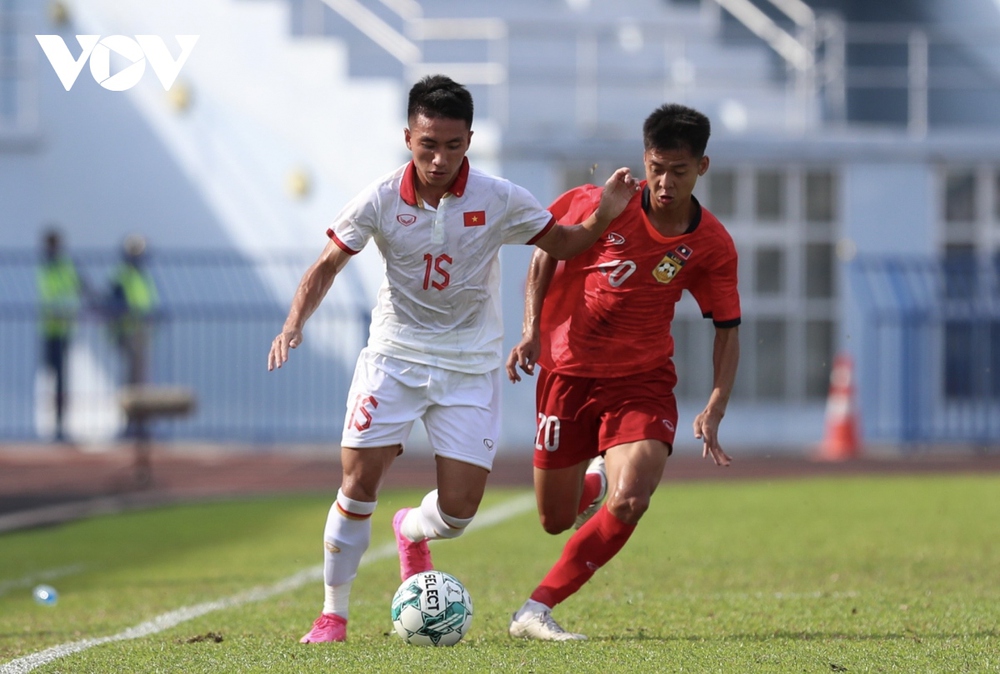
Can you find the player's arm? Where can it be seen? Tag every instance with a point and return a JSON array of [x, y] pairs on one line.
[[725, 360], [312, 289], [569, 240], [525, 354]]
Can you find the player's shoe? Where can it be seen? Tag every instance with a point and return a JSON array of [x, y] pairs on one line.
[[328, 627], [596, 466], [535, 621], [413, 557]]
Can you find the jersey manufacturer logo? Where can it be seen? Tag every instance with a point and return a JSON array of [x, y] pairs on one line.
[[615, 239], [671, 264], [406, 219]]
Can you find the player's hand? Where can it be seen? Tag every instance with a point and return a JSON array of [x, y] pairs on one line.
[[618, 191], [706, 429], [524, 355], [287, 339]]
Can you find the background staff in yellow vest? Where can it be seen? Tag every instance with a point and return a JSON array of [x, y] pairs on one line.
[[60, 293], [132, 303]]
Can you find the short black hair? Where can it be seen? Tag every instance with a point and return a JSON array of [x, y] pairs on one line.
[[673, 126], [440, 96]]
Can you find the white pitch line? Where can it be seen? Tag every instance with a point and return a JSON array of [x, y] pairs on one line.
[[46, 574], [487, 518]]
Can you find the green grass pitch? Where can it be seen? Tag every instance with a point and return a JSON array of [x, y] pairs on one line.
[[888, 574]]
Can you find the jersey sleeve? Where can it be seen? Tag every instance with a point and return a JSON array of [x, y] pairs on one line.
[[716, 289], [356, 223], [525, 220], [576, 205]]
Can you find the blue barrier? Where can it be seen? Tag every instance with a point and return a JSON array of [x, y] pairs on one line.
[[218, 314], [930, 358]]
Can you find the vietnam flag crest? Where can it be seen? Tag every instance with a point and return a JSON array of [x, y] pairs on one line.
[[475, 218]]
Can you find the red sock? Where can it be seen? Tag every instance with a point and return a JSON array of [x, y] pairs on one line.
[[585, 552], [591, 488]]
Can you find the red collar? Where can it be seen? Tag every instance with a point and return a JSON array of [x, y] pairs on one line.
[[408, 186]]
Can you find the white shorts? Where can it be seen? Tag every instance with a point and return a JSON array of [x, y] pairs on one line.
[[461, 412]]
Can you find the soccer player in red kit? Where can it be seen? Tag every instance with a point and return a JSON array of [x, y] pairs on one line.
[[599, 327]]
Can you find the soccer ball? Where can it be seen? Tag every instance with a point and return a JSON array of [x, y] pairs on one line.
[[432, 608]]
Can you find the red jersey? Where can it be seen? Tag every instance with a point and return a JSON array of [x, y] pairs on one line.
[[607, 312]]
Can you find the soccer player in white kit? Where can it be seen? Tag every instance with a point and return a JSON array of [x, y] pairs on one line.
[[434, 350]]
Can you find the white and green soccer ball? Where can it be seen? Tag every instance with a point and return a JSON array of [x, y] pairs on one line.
[[432, 608]]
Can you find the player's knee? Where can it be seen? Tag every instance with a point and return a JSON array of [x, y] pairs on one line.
[[358, 489], [630, 508], [556, 523]]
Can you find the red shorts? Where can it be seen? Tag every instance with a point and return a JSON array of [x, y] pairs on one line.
[[580, 417]]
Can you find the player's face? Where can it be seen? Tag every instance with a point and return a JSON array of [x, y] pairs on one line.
[[438, 145], [671, 176]]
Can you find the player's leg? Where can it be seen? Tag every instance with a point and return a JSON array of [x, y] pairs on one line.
[[636, 432], [380, 413], [560, 493], [444, 512], [634, 471], [55, 361], [565, 443], [347, 535], [463, 426], [62, 350]]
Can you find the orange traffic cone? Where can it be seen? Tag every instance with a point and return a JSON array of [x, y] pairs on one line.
[[842, 440]]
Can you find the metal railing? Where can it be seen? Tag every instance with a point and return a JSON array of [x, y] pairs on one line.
[[826, 60], [211, 333], [409, 47], [930, 361], [814, 52]]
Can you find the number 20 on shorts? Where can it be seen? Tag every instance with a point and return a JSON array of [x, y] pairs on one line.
[[547, 437]]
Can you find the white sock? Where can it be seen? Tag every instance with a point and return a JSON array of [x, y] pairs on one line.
[[347, 535], [337, 599], [428, 522]]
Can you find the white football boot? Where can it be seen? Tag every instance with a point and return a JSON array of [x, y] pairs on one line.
[[534, 621]]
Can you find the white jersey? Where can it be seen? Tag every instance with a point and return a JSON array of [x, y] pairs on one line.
[[439, 303]]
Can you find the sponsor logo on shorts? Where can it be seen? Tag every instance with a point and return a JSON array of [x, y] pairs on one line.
[[488, 444], [669, 424]]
